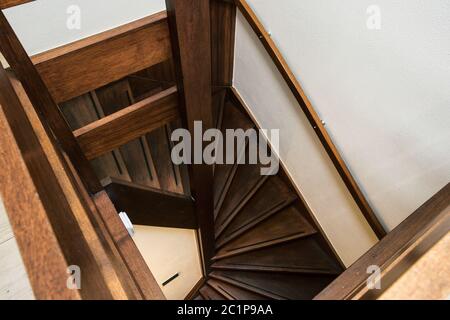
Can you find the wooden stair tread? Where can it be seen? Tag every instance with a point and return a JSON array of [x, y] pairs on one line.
[[234, 293], [246, 183], [199, 297], [273, 196], [286, 225], [303, 255], [274, 285], [224, 173], [209, 293]]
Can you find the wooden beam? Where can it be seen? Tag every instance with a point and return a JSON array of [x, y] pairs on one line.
[[312, 117], [396, 252], [43, 102], [151, 207], [5, 4], [117, 129], [189, 22], [82, 66]]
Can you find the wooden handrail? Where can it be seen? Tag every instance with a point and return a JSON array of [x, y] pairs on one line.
[[396, 252], [312, 117], [44, 103], [56, 223], [5, 4], [190, 31]]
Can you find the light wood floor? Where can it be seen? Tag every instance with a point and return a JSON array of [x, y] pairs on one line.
[[14, 284]]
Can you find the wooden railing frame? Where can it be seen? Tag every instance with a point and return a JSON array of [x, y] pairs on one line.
[[44, 103], [313, 117], [117, 129], [396, 252], [55, 221]]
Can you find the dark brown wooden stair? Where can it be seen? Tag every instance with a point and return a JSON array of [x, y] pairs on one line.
[[209, 293], [273, 196], [267, 245], [303, 255], [286, 225], [232, 292], [224, 173]]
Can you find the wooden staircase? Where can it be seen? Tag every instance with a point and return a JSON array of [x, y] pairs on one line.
[[267, 245]]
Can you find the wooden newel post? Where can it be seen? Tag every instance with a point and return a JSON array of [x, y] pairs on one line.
[[190, 30]]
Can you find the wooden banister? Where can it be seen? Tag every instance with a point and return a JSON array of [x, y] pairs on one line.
[[43, 102], [312, 117], [5, 4], [56, 223], [396, 252]]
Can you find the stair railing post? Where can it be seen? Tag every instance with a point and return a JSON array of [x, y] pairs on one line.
[[189, 22]]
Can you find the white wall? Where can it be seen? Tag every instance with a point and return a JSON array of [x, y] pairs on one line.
[[41, 25], [384, 94], [273, 107]]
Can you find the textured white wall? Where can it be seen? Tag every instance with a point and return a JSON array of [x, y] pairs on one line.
[[384, 94], [41, 25]]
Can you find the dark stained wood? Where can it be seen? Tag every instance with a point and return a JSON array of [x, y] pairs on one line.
[[189, 23], [152, 207], [77, 68], [225, 173], [273, 196], [246, 183], [232, 292], [396, 252], [44, 259], [313, 118], [43, 102], [286, 225], [208, 293], [62, 219], [279, 286], [123, 283], [130, 254], [114, 98], [223, 22], [299, 256], [193, 294], [82, 111], [4, 4], [128, 124]]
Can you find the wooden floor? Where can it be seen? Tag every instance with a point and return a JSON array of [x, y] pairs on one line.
[[14, 284]]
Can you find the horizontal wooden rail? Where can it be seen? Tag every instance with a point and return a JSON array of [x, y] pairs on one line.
[[82, 66], [115, 130], [312, 117], [396, 252], [5, 4], [152, 207]]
